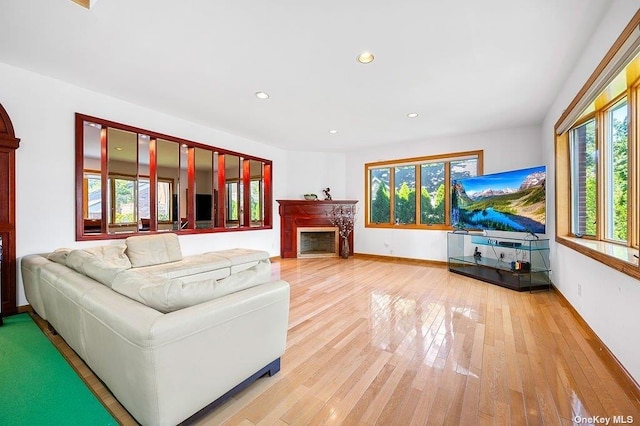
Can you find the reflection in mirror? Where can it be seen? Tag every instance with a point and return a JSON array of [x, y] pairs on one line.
[[204, 191], [122, 154], [144, 193], [216, 193], [130, 180], [167, 169], [91, 182], [183, 185], [232, 182], [256, 192]]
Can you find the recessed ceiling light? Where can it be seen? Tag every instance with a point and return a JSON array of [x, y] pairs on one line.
[[333, 132], [412, 115], [365, 57], [262, 95], [118, 148]]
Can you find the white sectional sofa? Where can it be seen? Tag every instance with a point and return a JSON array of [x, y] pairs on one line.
[[167, 334]]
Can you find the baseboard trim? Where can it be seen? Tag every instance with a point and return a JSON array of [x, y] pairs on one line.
[[629, 384], [24, 308], [427, 262]]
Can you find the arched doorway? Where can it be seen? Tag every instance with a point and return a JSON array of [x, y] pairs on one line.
[[8, 145]]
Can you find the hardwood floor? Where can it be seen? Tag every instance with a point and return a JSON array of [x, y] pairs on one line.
[[390, 342]]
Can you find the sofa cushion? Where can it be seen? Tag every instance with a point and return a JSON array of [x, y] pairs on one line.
[[145, 250], [76, 259], [111, 254], [167, 295], [190, 265], [239, 256], [59, 255], [94, 267]]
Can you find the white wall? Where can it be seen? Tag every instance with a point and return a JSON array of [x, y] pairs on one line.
[[42, 112], [609, 300], [311, 172], [506, 149]]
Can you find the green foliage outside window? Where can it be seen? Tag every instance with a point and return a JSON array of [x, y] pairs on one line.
[[381, 206], [256, 211], [615, 196], [620, 174], [124, 201], [405, 210], [432, 191], [431, 210]]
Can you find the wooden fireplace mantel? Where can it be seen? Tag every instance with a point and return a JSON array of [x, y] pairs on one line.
[[304, 213]]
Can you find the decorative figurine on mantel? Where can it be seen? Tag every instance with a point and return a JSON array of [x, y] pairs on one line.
[[327, 195]]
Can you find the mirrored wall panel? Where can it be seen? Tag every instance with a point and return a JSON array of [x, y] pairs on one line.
[[131, 180]]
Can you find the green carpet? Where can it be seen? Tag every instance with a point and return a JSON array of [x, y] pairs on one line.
[[37, 385]]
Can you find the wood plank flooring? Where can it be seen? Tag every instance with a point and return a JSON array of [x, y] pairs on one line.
[[391, 342]]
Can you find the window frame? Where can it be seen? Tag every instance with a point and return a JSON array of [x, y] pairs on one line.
[[584, 120], [604, 185], [417, 162], [621, 55], [112, 199], [607, 188]]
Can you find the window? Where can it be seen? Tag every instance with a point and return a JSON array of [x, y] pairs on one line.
[[597, 163], [393, 186], [233, 205], [616, 172], [122, 195], [92, 189], [583, 164], [256, 201], [130, 180]]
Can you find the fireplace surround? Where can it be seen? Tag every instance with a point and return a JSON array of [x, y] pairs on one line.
[[317, 241], [296, 214]]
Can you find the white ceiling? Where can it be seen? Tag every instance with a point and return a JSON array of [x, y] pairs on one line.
[[464, 66]]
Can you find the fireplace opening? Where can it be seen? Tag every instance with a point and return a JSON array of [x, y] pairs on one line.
[[318, 241]]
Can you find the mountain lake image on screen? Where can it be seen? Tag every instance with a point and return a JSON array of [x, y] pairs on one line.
[[508, 201]]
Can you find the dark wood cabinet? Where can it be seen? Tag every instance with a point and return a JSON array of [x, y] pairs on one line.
[[8, 145], [304, 213]]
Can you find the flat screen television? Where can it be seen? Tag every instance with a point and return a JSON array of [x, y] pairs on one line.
[[509, 201]]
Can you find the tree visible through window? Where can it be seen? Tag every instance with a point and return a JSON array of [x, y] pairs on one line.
[[380, 200], [613, 158], [618, 169], [583, 153]]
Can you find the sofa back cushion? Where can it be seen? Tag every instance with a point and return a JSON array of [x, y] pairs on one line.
[[147, 250]]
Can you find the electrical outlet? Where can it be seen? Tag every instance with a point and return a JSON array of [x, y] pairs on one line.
[[579, 289]]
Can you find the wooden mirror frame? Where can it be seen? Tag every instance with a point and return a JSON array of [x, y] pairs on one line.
[[218, 197]]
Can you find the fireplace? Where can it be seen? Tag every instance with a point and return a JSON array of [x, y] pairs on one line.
[[304, 214], [318, 241]]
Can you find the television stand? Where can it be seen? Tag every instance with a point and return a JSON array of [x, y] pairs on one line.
[[517, 263]]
